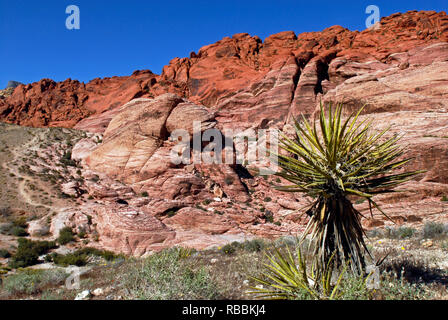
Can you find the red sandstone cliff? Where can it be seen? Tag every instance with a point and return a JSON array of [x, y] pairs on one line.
[[249, 81]]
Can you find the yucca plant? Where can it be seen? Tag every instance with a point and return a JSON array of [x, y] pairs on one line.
[[333, 161], [288, 279]]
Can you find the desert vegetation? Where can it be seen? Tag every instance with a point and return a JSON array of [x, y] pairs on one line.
[[230, 272]]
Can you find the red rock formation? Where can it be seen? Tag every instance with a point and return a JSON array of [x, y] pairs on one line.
[[249, 82], [64, 104]]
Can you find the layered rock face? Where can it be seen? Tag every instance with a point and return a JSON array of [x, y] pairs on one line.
[[399, 71]]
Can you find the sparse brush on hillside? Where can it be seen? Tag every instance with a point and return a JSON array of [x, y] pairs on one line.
[[292, 276], [332, 161], [167, 276], [28, 252], [32, 281]]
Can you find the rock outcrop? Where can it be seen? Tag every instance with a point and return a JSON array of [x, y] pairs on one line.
[[245, 80]]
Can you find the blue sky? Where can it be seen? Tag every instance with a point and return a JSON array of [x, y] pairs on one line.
[[118, 37]]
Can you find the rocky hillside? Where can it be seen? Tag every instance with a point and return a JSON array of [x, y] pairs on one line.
[[134, 200]]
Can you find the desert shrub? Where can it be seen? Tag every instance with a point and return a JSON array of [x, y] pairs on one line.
[[82, 234], [17, 227], [18, 232], [73, 259], [145, 194], [267, 199], [433, 230], [254, 245], [228, 180], [374, 233], [166, 276], [399, 233], [228, 249], [32, 281], [79, 257], [184, 253], [20, 222], [28, 252], [268, 216], [286, 241], [406, 232], [65, 236], [411, 270], [4, 253], [66, 159]]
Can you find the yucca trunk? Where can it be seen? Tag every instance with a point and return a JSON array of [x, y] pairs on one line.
[[339, 233]]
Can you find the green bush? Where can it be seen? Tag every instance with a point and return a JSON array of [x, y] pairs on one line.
[[18, 232], [32, 281], [66, 159], [79, 257], [433, 230], [16, 228], [67, 259], [269, 216], [228, 249], [254, 245], [28, 252], [4, 253], [399, 233], [65, 236], [228, 180], [375, 233]]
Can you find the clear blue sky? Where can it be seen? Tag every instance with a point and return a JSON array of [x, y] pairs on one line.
[[118, 37]]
